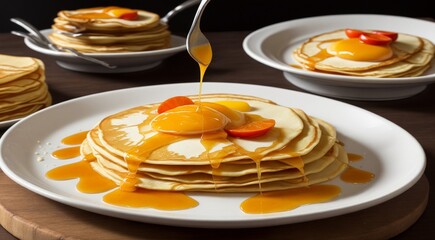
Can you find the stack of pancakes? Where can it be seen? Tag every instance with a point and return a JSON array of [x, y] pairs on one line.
[[23, 89], [412, 56], [299, 151], [109, 35]]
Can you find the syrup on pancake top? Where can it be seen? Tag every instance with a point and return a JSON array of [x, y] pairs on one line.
[[372, 53], [110, 29]]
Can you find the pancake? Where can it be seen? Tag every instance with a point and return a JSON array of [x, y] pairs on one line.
[[23, 89], [125, 130], [411, 56], [14, 67], [77, 21], [299, 151], [103, 33]]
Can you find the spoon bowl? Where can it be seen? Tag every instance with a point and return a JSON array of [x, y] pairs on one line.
[[198, 46]]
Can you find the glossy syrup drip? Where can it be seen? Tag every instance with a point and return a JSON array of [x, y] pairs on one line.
[[73, 151], [67, 153], [92, 182], [356, 175], [354, 157], [204, 54], [285, 200], [75, 139], [134, 157], [144, 198]]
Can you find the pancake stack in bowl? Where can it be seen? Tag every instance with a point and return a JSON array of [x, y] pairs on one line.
[[23, 89], [110, 30], [408, 56], [300, 150]]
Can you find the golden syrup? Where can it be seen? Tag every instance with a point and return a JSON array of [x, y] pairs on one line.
[[285, 200], [350, 49], [354, 49], [75, 139], [70, 152], [66, 153], [126, 194], [134, 156], [355, 175], [204, 54], [354, 157], [103, 13], [144, 198], [90, 181]]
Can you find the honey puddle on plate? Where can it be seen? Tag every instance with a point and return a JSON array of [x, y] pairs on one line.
[[355, 175], [264, 202]]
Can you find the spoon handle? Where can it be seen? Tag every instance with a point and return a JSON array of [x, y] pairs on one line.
[[178, 9], [36, 36], [29, 27], [84, 57]]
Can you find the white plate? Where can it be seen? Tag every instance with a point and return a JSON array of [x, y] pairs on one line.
[[391, 153], [273, 45], [126, 62]]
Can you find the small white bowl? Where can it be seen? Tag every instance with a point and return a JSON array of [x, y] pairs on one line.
[[273, 46], [125, 62]]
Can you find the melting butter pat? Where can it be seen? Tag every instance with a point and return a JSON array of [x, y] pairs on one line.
[[236, 105]]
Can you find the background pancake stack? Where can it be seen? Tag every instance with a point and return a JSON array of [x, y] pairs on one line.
[[23, 89], [109, 35], [299, 151], [412, 56]]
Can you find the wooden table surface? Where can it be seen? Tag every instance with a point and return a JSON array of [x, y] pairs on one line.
[[230, 64]]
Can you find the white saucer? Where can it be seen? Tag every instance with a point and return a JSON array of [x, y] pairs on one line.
[[125, 62], [353, 92], [273, 46]]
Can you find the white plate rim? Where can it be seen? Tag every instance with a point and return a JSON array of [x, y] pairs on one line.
[[170, 50], [252, 45], [192, 221]]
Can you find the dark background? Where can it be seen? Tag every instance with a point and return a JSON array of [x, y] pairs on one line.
[[220, 15]]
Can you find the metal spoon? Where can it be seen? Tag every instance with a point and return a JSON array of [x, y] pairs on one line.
[[164, 20], [178, 9], [30, 37], [37, 36], [195, 37]]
